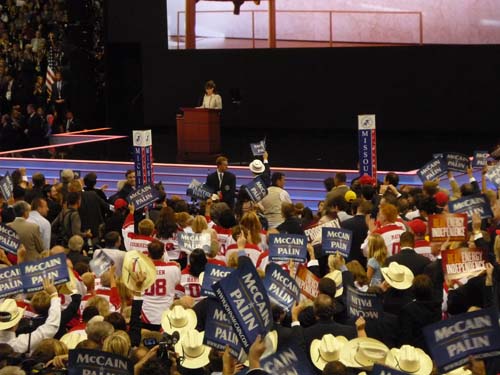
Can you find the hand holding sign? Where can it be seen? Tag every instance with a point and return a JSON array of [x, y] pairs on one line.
[[48, 286]]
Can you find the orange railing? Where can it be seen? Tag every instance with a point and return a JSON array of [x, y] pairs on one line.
[[330, 12]]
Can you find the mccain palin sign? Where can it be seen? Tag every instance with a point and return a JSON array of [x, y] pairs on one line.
[[336, 240], [219, 331], [470, 204], [211, 275], [96, 362], [143, 196], [284, 247], [281, 287], [53, 267]]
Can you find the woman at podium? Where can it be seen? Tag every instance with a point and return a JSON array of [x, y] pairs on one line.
[[211, 99]]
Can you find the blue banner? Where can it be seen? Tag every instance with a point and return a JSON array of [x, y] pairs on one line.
[[96, 362], [452, 341], [33, 273], [258, 148], [367, 144], [367, 305], [480, 159], [256, 189], [477, 203], [493, 175], [336, 240], [143, 196], [219, 331], [433, 169], [9, 239], [457, 162], [245, 301], [290, 359], [10, 281], [6, 186], [283, 247], [281, 287], [211, 275], [384, 370], [199, 191]]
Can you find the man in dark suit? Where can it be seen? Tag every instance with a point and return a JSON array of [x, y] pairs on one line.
[[408, 257], [357, 225], [222, 181], [59, 96], [71, 125]]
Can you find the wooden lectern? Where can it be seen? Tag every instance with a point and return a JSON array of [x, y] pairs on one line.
[[198, 134]]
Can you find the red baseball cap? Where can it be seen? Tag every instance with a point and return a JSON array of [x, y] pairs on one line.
[[418, 226], [441, 198], [120, 203]]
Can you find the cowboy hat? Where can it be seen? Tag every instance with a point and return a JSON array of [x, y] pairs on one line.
[[191, 349], [72, 285], [363, 352], [336, 276], [178, 319], [72, 339], [326, 350], [134, 262], [10, 314], [410, 360], [397, 275], [257, 166], [271, 340], [459, 371]]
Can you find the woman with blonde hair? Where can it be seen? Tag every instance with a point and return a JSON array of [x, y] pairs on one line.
[[377, 254], [100, 303], [251, 221], [117, 343]]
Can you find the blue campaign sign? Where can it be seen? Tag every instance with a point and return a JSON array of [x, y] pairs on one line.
[[211, 275], [336, 240], [493, 175], [199, 191], [477, 203], [245, 301], [10, 281], [283, 247], [290, 359], [6, 186], [433, 169], [219, 331], [452, 341], [384, 370], [480, 159], [457, 162], [367, 305], [33, 273], [258, 148], [143, 196], [9, 239], [256, 189], [281, 287], [93, 362]]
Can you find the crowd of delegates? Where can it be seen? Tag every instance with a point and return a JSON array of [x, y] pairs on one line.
[[157, 292]]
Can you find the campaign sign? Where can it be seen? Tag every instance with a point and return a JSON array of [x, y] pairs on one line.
[[290, 359], [100, 263], [384, 370], [367, 305], [256, 189], [219, 331], [10, 281], [190, 241], [258, 148], [9, 239], [33, 273], [96, 362], [6, 186], [245, 301], [281, 288], [211, 275], [283, 247], [315, 233], [477, 203], [335, 240], [143, 196], [198, 190], [493, 175], [448, 226], [433, 169], [308, 283], [116, 257], [367, 145], [480, 159], [452, 341], [462, 264], [457, 162]]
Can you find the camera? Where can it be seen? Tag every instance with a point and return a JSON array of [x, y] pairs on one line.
[[167, 344]]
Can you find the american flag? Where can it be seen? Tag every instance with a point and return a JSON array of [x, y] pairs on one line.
[[50, 76]]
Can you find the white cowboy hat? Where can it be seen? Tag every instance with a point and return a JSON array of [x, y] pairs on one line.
[[72, 339], [337, 277], [364, 352], [10, 314], [326, 350], [271, 341], [178, 319], [410, 360], [134, 262], [257, 166], [191, 348], [397, 275]]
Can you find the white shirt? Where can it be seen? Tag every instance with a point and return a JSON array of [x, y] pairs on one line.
[[43, 225], [213, 101]]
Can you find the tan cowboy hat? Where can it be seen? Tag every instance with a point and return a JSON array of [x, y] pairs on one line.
[[410, 360], [257, 166], [459, 371], [326, 350], [191, 348], [364, 352], [72, 339], [397, 275], [337, 277], [178, 319], [271, 341], [134, 262], [10, 314], [71, 285]]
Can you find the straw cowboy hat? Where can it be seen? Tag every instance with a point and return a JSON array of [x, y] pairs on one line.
[[337, 277], [326, 350], [459, 371], [257, 166], [271, 340], [397, 275], [410, 360], [10, 314], [364, 352], [72, 339], [178, 319], [191, 348], [134, 262]]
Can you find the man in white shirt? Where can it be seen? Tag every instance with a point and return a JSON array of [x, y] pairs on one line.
[[39, 210], [271, 204]]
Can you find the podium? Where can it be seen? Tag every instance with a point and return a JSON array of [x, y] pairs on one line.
[[198, 134]]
